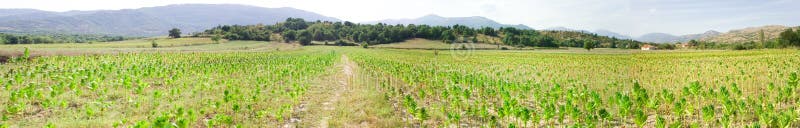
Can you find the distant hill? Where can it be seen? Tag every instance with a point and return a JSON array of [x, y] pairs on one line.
[[668, 38], [600, 32], [561, 29], [710, 33], [435, 20], [9, 12], [747, 34], [658, 37], [603, 32], [149, 21]]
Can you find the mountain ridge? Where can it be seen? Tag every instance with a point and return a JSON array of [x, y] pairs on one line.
[[149, 21], [741, 35], [748, 34], [436, 20]]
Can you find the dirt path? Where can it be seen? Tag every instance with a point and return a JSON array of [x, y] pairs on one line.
[[343, 82], [343, 98], [320, 105]]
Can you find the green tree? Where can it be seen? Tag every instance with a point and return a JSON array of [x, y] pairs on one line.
[[546, 41], [448, 36], [289, 36], [693, 43], [613, 44], [175, 33], [489, 31], [319, 35], [588, 45], [789, 38], [304, 37], [216, 38], [509, 39], [667, 46], [761, 37]]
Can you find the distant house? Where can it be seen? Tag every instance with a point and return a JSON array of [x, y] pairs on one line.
[[648, 47], [684, 45]]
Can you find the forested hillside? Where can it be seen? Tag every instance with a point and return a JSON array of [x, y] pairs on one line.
[[56, 38], [299, 30]]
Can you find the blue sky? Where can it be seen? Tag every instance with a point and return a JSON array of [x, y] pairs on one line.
[[629, 17]]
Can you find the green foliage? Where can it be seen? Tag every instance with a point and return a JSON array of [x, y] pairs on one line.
[[50, 125], [588, 45], [499, 96], [489, 31], [216, 38], [26, 55], [661, 122], [639, 117], [304, 37], [154, 44], [57, 38], [708, 114], [667, 46], [289, 36], [148, 86], [293, 29], [448, 36], [791, 38], [175, 33]]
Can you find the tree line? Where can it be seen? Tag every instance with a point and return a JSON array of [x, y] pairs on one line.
[[56, 38], [790, 38], [304, 32]]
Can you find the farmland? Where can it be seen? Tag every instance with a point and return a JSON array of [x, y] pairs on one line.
[[271, 84], [159, 89], [705, 89]]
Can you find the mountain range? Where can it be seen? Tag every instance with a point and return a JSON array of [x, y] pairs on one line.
[[733, 36], [748, 34], [436, 20], [154, 21], [149, 21], [668, 38]]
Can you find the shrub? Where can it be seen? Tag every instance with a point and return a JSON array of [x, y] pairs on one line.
[[155, 45]]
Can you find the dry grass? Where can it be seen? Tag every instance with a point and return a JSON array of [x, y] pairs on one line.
[[346, 98]]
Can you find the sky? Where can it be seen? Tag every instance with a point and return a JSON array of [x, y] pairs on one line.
[[627, 17]]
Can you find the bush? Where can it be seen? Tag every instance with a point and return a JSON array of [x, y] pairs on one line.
[[155, 45], [504, 48], [304, 41], [739, 47], [667, 46], [216, 38], [365, 45], [343, 43]]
